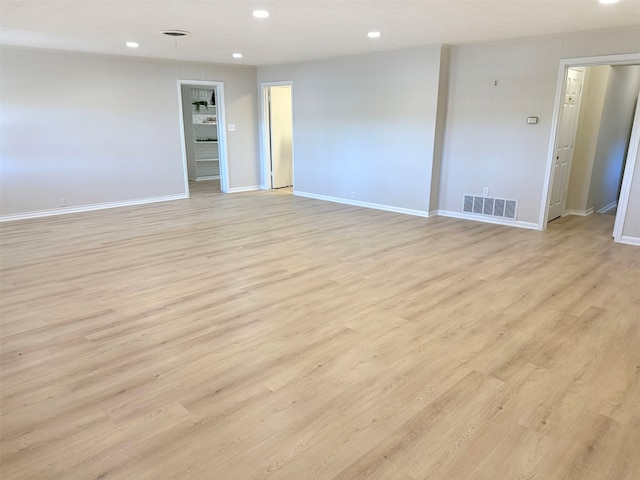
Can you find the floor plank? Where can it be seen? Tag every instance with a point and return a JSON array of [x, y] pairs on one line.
[[261, 335]]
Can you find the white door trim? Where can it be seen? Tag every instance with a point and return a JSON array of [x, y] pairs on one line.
[[265, 155], [222, 131], [625, 190], [626, 59]]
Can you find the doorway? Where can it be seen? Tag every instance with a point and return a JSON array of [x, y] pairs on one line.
[[598, 128], [202, 130], [277, 136]]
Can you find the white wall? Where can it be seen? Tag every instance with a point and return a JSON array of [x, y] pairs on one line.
[[365, 124], [96, 129], [487, 140], [613, 136], [593, 94]]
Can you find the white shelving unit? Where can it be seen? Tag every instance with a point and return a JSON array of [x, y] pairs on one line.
[[205, 134]]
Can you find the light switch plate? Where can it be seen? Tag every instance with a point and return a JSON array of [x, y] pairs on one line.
[[231, 127], [532, 120]]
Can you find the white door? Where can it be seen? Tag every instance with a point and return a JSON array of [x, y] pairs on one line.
[[565, 141], [281, 136]]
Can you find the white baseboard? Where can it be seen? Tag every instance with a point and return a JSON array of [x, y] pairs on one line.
[[630, 240], [608, 208], [581, 213], [495, 221], [357, 203], [249, 188], [90, 208]]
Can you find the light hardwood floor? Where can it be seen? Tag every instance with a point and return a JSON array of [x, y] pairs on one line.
[[265, 336]]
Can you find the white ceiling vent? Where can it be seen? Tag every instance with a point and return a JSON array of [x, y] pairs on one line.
[[491, 206]]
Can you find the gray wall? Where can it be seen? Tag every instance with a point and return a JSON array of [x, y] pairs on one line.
[[365, 124], [96, 129], [487, 141], [613, 136]]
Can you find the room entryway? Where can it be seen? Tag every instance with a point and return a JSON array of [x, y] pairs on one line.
[[203, 136], [593, 138], [277, 136]]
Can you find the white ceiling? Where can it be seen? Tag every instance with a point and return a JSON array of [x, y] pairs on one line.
[[297, 29]]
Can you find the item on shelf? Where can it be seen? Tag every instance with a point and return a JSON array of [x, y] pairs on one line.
[[211, 119], [206, 140], [200, 103]]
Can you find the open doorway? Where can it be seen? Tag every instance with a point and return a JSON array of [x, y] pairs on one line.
[[203, 136], [277, 135], [592, 131]]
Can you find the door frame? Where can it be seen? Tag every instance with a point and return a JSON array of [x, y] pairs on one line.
[[565, 64], [265, 141], [218, 87], [627, 175]]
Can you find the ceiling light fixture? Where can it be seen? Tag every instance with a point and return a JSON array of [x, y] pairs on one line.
[[237, 55], [261, 13], [374, 34], [132, 44], [608, 2]]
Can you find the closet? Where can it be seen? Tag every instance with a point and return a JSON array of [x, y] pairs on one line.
[[201, 133]]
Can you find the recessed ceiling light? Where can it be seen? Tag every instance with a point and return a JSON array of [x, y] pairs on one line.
[[237, 55], [374, 34], [607, 2], [132, 44], [261, 13]]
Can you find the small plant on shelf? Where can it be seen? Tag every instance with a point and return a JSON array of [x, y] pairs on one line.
[[200, 103]]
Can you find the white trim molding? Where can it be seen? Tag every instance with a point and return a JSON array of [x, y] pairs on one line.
[[357, 203], [629, 240], [633, 155], [608, 208], [487, 219], [89, 208], [223, 161], [248, 188], [581, 213]]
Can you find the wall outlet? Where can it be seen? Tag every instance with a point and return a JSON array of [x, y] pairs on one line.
[[63, 202], [353, 194], [485, 191]]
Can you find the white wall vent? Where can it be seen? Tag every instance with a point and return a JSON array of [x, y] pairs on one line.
[[491, 206]]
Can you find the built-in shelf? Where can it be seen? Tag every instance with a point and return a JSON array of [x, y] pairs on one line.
[[203, 148]]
